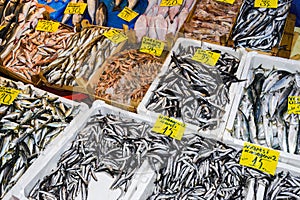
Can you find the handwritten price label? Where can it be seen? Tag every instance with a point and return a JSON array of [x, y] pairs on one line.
[[206, 57], [115, 36], [171, 2], [47, 26], [294, 105], [258, 157], [227, 1], [127, 14], [170, 127], [8, 95], [152, 46], [75, 8], [266, 3]]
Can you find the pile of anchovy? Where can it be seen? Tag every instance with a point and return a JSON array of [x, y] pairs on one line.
[[85, 52], [194, 92], [207, 169], [203, 169], [262, 116], [26, 127], [108, 143], [127, 76], [260, 28]]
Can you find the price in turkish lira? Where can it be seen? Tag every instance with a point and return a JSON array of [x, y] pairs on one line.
[[75, 8], [169, 127], [294, 105], [127, 14], [206, 57], [115, 36], [8, 95], [171, 2], [261, 158], [266, 3], [47, 26], [152, 46]]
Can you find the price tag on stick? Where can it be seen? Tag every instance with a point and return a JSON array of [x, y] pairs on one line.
[[294, 105], [170, 127], [127, 14], [266, 3], [258, 157], [75, 8], [171, 2], [47, 26], [115, 36], [8, 95], [206, 57], [152, 46]]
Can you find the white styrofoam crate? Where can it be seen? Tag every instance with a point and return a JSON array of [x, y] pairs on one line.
[[253, 60], [48, 161], [239, 53], [58, 140]]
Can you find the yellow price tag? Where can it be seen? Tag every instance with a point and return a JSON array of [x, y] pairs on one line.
[[2, 27], [127, 14], [170, 127], [206, 57], [115, 36], [171, 2], [261, 158], [266, 3], [294, 105], [152, 46], [227, 1], [75, 8], [47, 26], [8, 95]]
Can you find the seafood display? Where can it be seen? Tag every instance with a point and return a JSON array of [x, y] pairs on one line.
[[27, 126], [260, 28], [194, 92], [211, 20], [85, 52], [109, 143], [262, 116], [127, 76], [17, 18], [158, 21], [207, 169], [35, 50]]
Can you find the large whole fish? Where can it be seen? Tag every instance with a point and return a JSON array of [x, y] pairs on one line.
[[262, 117]]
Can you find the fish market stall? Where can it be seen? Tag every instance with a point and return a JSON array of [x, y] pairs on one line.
[[211, 21], [159, 21], [260, 112], [195, 93], [260, 28], [32, 122], [33, 52], [108, 148], [126, 76]]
